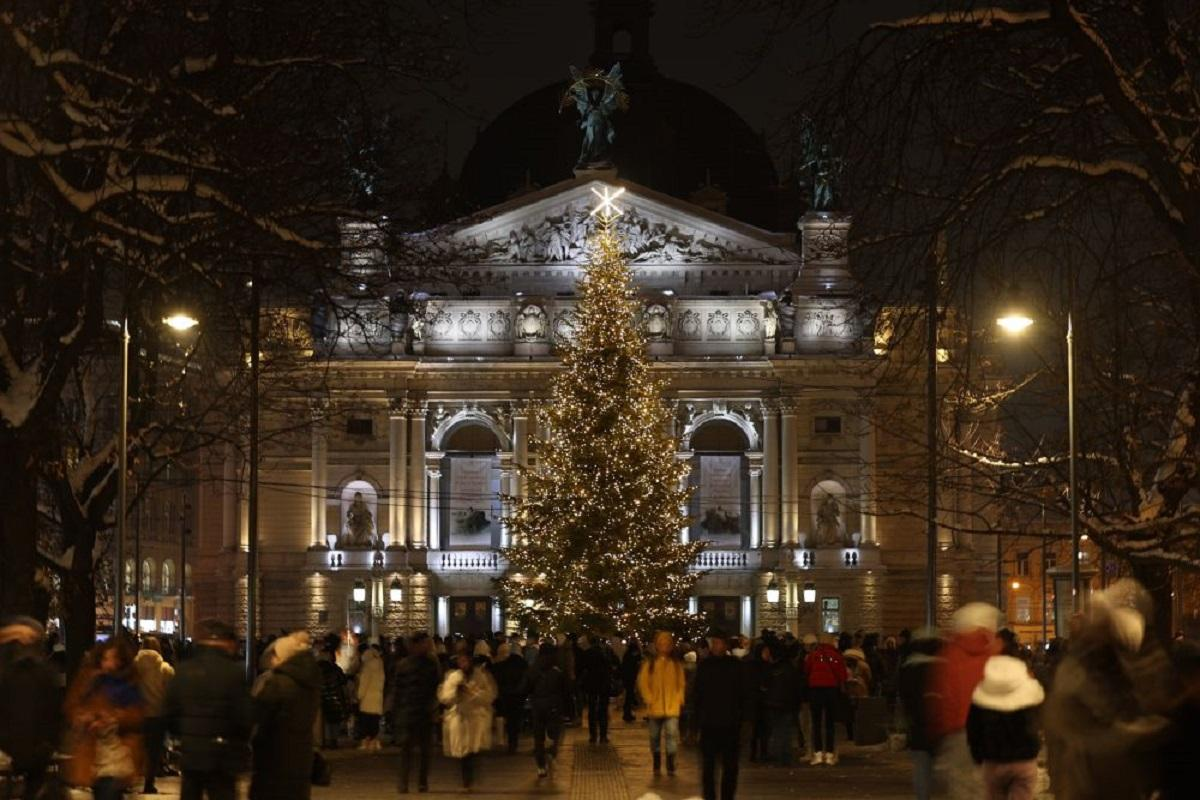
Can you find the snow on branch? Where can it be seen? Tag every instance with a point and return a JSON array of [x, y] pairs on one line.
[[978, 17]]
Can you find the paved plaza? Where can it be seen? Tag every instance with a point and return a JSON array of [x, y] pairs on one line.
[[617, 771]]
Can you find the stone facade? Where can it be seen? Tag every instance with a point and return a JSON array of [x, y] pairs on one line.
[[430, 411]]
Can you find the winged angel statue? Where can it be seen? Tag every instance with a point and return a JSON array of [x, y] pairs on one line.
[[596, 96]]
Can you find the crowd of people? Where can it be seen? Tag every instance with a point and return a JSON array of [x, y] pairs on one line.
[[1114, 714]]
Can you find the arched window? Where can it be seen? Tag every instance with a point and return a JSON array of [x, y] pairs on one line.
[[721, 481], [130, 580], [168, 577], [147, 576], [470, 487]]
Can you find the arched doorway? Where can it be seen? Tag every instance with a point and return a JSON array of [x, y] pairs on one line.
[[470, 488], [720, 479]]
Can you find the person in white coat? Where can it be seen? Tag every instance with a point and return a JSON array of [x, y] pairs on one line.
[[370, 696], [467, 692]]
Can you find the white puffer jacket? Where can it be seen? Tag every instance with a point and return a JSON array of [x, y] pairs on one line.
[[467, 725], [370, 683]]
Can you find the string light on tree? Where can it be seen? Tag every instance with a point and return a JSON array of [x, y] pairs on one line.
[[597, 531]]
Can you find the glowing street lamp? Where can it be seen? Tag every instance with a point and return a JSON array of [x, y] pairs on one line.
[[1014, 322], [396, 593], [810, 593], [180, 322], [360, 592]]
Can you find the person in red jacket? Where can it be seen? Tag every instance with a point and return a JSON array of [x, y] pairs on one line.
[[826, 671], [953, 679]]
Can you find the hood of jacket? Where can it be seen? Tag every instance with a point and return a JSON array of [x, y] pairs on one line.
[[148, 659], [302, 668]]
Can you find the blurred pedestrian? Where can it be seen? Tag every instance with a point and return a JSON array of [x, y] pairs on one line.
[[1182, 751], [547, 689], [29, 701], [105, 712], [417, 679], [914, 677], [509, 672], [631, 665], [956, 674], [333, 695], [598, 669], [468, 692], [208, 706], [826, 671], [369, 690], [1102, 738], [1002, 728], [285, 711], [719, 697], [782, 702], [154, 674], [661, 685]]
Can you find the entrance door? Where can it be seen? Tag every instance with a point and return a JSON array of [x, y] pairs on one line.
[[724, 612], [470, 616]]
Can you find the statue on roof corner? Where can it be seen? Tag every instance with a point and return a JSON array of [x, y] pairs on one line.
[[823, 168], [597, 96]]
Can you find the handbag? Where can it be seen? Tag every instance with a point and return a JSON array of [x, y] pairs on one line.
[[322, 774]]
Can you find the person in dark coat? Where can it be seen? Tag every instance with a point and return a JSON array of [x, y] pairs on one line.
[[509, 672], [417, 678], [781, 702], [333, 697], [285, 709], [719, 697], [631, 665], [912, 682], [756, 682], [29, 701], [1002, 728], [597, 667], [1182, 751], [208, 706], [548, 692]]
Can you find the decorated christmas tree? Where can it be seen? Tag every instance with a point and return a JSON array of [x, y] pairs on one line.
[[596, 537]]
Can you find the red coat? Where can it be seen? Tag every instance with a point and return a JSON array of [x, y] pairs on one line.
[[954, 678], [825, 667]]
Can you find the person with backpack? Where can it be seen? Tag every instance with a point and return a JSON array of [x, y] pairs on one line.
[[826, 670]]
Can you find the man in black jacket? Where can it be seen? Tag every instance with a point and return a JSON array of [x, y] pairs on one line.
[[720, 695], [208, 706], [417, 679]]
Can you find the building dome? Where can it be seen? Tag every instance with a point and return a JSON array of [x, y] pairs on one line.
[[675, 138]]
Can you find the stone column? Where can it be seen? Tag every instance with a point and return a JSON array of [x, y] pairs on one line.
[[397, 471], [787, 476], [229, 499], [866, 477], [770, 489], [416, 481], [685, 533], [318, 473], [506, 488], [520, 446], [756, 503], [434, 536]]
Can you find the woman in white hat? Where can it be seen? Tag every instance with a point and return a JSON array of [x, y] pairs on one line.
[[1002, 728]]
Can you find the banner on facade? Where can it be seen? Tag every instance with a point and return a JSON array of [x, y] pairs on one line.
[[721, 495], [473, 504]]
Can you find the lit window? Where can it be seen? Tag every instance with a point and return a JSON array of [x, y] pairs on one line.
[[168, 577], [148, 576]]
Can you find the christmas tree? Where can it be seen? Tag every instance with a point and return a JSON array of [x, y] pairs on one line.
[[596, 537]]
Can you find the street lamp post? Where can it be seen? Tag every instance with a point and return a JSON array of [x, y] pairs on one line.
[[122, 487], [252, 515], [1014, 321], [931, 442]]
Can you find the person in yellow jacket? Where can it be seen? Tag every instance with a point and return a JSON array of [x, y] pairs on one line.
[[661, 685]]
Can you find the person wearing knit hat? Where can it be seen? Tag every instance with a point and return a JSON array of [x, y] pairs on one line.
[[953, 679], [1002, 728]]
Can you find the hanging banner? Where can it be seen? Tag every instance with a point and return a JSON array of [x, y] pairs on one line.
[[721, 495], [473, 504]]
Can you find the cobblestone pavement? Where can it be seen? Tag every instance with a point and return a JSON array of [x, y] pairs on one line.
[[619, 771]]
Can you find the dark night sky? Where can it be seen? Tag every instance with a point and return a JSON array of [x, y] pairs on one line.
[[519, 47]]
